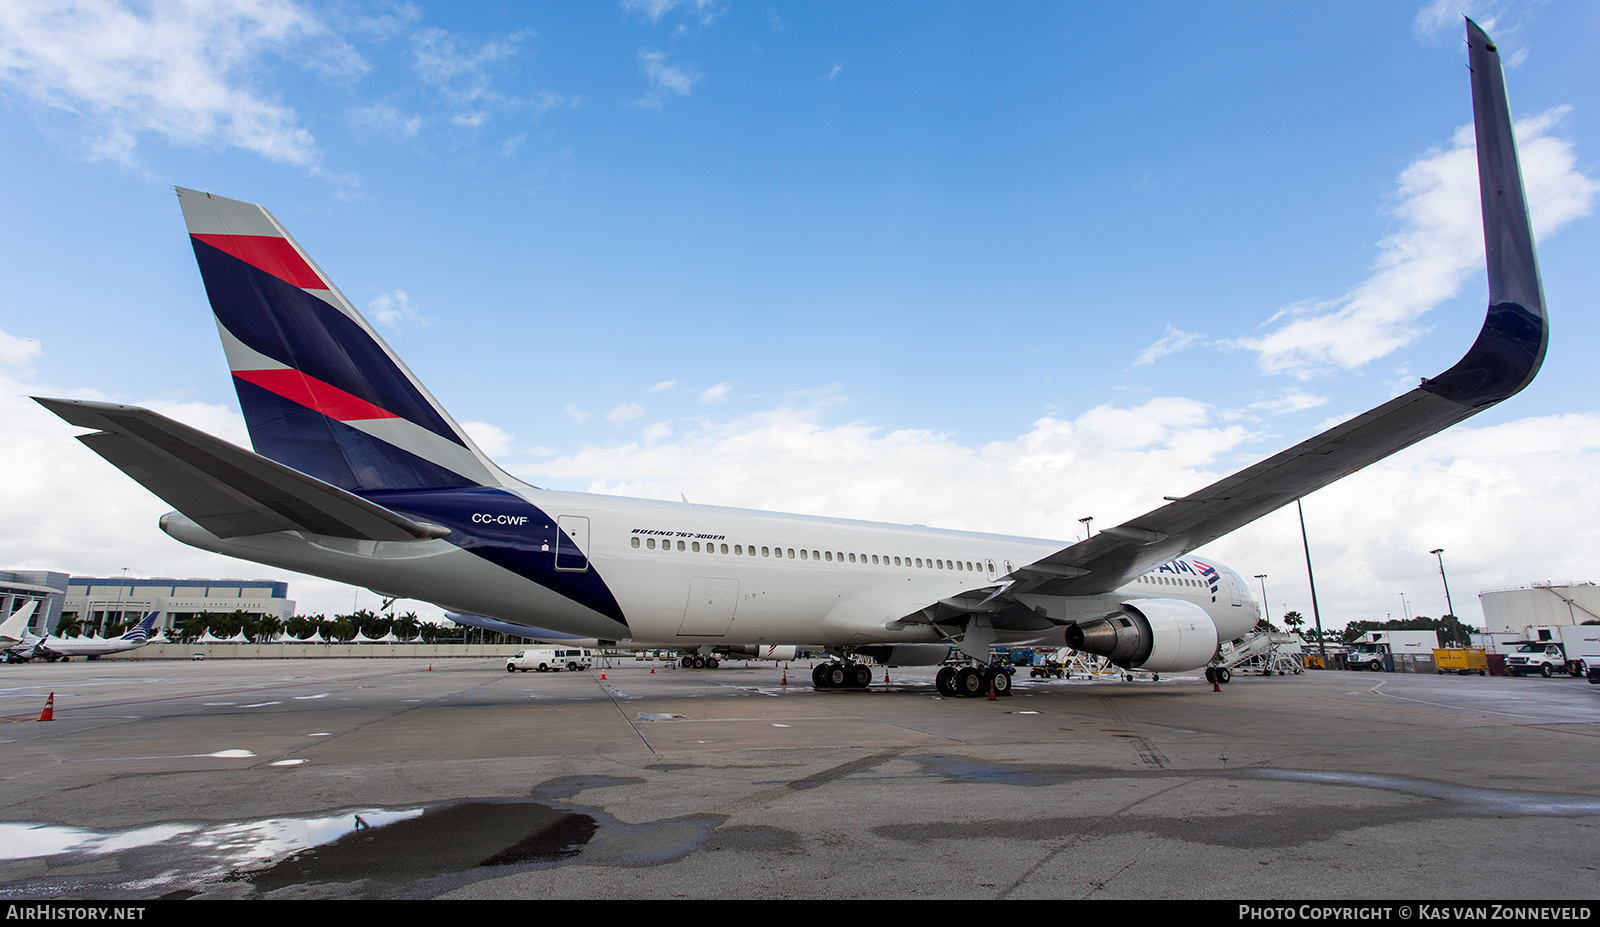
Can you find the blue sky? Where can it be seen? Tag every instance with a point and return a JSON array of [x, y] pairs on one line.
[[989, 266]]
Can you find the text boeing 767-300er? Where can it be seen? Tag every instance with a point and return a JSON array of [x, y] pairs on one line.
[[360, 476]]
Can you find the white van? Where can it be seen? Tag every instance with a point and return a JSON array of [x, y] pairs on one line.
[[545, 659]]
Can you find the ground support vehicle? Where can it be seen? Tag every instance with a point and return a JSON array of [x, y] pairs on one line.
[[1461, 660], [1545, 659], [547, 659], [1375, 650]]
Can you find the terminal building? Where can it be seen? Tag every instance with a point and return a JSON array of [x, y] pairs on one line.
[[19, 587], [100, 603], [1513, 610], [108, 602]]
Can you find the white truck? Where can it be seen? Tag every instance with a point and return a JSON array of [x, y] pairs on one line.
[[1561, 648], [1369, 650], [548, 659]]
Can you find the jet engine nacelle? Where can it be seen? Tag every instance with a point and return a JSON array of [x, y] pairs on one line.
[[783, 654], [1159, 635]]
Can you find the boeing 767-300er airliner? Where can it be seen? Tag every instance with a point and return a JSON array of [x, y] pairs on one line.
[[360, 476]]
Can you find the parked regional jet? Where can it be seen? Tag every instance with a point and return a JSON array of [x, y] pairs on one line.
[[361, 477], [54, 648], [15, 628]]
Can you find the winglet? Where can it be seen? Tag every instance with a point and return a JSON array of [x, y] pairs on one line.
[[1515, 333]]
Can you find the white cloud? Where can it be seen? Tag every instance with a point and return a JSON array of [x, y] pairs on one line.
[[493, 441], [663, 386], [1170, 343], [835, 72], [576, 414], [717, 393], [665, 79], [1435, 250], [386, 119], [626, 412], [656, 10], [17, 352], [183, 71], [394, 311]]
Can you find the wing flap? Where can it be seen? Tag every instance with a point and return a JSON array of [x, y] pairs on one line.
[[224, 488]]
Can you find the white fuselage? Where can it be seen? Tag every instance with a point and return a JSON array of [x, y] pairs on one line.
[[694, 574]]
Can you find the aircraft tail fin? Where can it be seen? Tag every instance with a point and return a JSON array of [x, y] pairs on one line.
[[141, 631], [321, 391], [15, 627]]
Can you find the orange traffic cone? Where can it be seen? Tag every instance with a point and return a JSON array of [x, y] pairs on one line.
[[602, 674], [785, 680], [886, 675], [49, 713], [991, 692], [652, 669]]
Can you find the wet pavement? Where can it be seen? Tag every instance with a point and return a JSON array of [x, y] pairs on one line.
[[405, 779]]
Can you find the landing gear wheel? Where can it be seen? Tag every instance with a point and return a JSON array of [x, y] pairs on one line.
[[686, 662], [945, 682], [861, 676], [1001, 680], [819, 678], [712, 663], [835, 676], [1224, 675], [1211, 674], [969, 682]]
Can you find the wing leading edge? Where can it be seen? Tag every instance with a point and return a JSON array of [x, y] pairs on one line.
[[1503, 360]]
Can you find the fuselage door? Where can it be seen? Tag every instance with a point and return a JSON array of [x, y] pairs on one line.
[[572, 540], [710, 608]]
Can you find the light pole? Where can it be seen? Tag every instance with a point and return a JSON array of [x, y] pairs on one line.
[[1316, 614], [1266, 610], [1454, 622], [1087, 526], [1405, 606]]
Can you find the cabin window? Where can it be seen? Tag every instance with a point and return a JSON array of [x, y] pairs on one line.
[[791, 553], [852, 558], [697, 547], [802, 554], [764, 552], [724, 548], [738, 550], [828, 556], [650, 543], [636, 541], [680, 545]]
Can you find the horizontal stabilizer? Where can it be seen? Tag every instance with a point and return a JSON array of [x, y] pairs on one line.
[[226, 489]]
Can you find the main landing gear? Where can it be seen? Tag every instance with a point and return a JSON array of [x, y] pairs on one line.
[[836, 674], [696, 661], [973, 681]]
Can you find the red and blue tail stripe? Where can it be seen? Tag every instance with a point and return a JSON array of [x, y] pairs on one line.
[[320, 390]]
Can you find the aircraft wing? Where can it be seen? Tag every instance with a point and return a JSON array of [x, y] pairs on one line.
[[1503, 360], [224, 488]]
